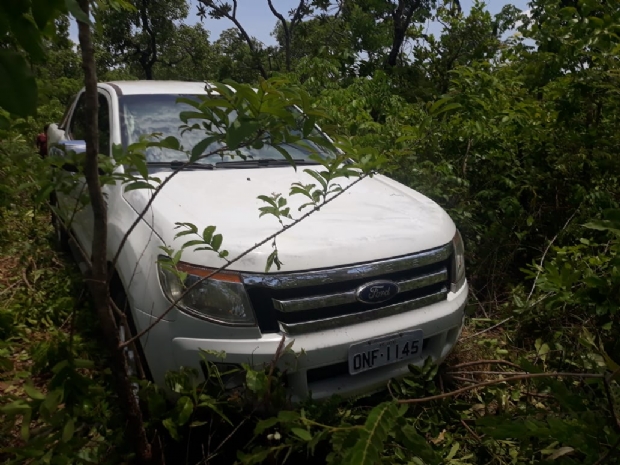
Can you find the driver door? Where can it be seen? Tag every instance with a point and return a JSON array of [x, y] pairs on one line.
[[81, 216]]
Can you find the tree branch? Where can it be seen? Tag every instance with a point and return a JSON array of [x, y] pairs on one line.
[[151, 52], [287, 33], [401, 19], [542, 259], [488, 329], [485, 362], [221, 11], [499, 381], [608, 454]]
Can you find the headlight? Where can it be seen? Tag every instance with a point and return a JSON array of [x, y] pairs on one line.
[[458, 262], [221, 298]]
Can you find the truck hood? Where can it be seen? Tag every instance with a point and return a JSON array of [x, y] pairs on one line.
[[377, 218]]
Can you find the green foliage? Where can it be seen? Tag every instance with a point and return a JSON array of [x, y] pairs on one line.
[[27, 26], [576, 283], [20, 82], [516, 137], [56, 403], [143, 35]]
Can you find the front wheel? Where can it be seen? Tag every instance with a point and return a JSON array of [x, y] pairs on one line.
[[137, 367]]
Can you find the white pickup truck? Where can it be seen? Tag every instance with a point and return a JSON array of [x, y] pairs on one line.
[[372, 282]]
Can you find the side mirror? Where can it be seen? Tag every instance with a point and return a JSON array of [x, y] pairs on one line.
[[72, 146], [64, 148]]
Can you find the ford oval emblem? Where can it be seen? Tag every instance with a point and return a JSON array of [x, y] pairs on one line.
[[377, 292]]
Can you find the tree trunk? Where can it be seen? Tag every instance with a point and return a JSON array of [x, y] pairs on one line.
[[397, 43], [401, 20], [150, 55], [98, 274], [148, 72]]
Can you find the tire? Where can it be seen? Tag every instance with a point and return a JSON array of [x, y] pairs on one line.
[[136, 360]]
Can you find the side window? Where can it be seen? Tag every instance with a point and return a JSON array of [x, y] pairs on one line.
[[77, 126], [104, 125], [65, 117]]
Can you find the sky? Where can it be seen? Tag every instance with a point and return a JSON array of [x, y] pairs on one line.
[[255, 17]]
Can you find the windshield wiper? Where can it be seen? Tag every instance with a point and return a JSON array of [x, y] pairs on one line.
[[263, 162], [178, 164]]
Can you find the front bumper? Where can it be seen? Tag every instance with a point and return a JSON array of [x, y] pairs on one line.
[[320, 368]]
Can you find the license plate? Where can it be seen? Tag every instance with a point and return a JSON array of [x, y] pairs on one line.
[[385, 350]]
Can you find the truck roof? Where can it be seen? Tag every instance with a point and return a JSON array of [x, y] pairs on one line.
[[157, 87]]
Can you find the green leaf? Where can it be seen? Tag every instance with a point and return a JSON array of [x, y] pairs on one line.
[[368, 448], [207, 234], [19, 88], [239, 133], [189, 101], [192, 227], [569, 11], [18, 406], [216, 242], [255, 457], [28, 36], [25, 429], [434, 109], [267, 199], [193, 243], [5, 123], [74, 8], [611, 364], [32, 392], [268, 211], [411, 439], [83, 363], [271, 260], [561, 452], [256, 381], [199, 149], [448, 107], [265, 424], [302, 433], [45, 10], [170, 142], [171, 427], [138, 185], [318, 176], [453, 450], [184, 233], [196, 424], [288, 416], [309, 126], [187, 115], [185, 407], [68, 430]]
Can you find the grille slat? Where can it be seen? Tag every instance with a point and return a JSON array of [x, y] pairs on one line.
[[360, 317]]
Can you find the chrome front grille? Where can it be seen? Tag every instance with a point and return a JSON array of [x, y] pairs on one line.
[[303, 302], [332, 300]]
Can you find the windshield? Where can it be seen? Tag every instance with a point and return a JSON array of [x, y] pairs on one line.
[[159, 113]]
